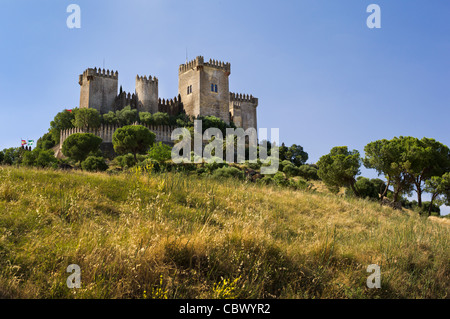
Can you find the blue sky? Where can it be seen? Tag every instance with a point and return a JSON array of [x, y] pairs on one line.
[[321, 75]]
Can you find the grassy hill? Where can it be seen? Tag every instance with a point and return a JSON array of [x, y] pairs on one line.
[[178, 236]]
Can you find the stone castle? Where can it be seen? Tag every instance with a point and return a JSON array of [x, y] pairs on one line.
[[203, 90]]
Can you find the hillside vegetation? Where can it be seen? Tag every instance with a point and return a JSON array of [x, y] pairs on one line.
[[148, 235]]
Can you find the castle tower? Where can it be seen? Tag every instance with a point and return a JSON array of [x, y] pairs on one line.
[[147, 94], [98, 89], [243, 110], [204, 88]]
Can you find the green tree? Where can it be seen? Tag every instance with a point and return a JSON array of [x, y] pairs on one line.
[[388, 157], [135, 139], [340, 168], [438, 186], [87, 118], [296, 155], [110, 118], [62, 121], [46, 142], [39, 158], [2, 156], [160, 152], [146, 118], [161, 118], [127, 115], [78, 146], [427, 157], [12, 156]]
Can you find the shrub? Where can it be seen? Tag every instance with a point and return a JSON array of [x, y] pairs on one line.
[[160, 152], [280, 180], [39, 158], [300, 184], [229, 172], [290, 170], [94, 164], [127, 160], [308, 172]]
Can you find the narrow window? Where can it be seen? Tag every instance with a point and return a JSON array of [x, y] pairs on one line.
[[212, 87], [215, 88]]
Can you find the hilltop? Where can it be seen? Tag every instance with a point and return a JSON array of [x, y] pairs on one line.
[[142, 235]]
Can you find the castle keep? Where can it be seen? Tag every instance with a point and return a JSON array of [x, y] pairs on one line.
[[203, 90]]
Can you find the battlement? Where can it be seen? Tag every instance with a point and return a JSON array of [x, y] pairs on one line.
[[146, 80], [171, 107], [225, 66], [243, 98], [98, 73], [101, 73], [199, 61]]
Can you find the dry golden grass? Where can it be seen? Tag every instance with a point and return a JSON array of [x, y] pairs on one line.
[[179, 236]]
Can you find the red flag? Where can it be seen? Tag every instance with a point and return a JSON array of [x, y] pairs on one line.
[[24, 142]]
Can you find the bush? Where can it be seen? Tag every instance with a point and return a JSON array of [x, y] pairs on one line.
[[308, 172], [368, 188], [94, 164], [39, 158], [300, 184], [280, 180], [160, 152], [283, 164], [290, 170], [214, 164], [229, 172], [127, 160], [266, 180]]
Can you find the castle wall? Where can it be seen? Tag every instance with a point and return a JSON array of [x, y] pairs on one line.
[[105, 132], [246, 106], [235, 112], [147, 94]]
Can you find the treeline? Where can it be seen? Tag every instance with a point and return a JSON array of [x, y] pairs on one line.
[[409, 165]]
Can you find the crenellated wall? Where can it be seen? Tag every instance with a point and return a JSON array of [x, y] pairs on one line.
[[171, 107], [243, 110], [105, 132]]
